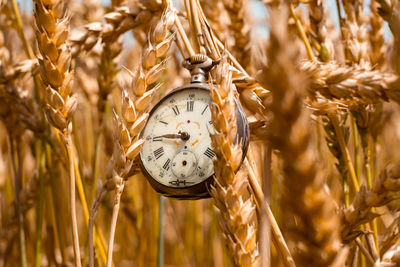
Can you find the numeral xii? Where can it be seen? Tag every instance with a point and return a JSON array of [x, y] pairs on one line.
[[189, 105]]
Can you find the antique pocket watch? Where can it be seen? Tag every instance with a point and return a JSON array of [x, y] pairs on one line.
[[176, 157]]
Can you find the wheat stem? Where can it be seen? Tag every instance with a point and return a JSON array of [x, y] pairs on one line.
[[184, 37], [196, 23], [303, 35], [39, 213], [99, 239], [277, 234], [365, 251], [356, 145], [353, 177], [56, 202], [17, 179], [160, 250], [192, 30], [231, 57], [209, 36], [72, 203], [20, 31], [265, 231], [114, 218]]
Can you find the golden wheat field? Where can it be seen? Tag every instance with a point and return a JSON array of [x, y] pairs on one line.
[[282, 148]]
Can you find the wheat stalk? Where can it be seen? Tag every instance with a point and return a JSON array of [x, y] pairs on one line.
[[237, 12], [315, 239], [135, 111], [230, 192], [52, 29]]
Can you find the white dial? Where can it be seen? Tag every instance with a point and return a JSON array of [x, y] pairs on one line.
[[177, 150]]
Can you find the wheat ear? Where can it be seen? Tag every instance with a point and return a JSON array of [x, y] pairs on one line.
[[236, 205], [318, 27], [376, 36], [108, 68], [134, 114], [391, 258], [339, 82], [117, 22], [355, 33], [52, 28], [385, 188], [18, 70], [240, 29], [315, 239]]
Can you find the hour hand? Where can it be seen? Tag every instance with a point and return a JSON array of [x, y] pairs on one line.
[[181, 135]]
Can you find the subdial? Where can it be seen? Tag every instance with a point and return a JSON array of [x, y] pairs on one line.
[[184, 164]]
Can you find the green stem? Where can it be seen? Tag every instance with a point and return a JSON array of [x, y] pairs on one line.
[[346, 155], [55, 200], [17, 178], [302, 33], [74, 223], [356, 145], [20, 31], [160, 254], [368, 169], [39, 213]]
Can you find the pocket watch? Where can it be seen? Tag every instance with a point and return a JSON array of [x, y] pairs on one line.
[[177, 157]]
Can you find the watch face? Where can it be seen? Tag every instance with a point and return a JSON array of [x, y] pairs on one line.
[[177, 151]]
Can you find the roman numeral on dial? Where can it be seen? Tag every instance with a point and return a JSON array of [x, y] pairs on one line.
[[209, 153], [204, 110], [176, 110], [166, 165], [157, 138], [189, 105], [159, 152]]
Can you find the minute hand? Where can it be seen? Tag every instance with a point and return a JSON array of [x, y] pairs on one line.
[[171, 136]]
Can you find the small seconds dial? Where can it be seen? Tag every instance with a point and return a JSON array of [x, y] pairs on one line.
[[177, 150]]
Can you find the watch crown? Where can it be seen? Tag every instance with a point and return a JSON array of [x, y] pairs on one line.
[[199, 65], [198, 58]]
